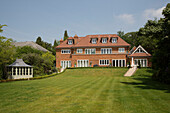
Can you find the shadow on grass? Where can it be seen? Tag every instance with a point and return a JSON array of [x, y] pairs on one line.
[[145, 81]]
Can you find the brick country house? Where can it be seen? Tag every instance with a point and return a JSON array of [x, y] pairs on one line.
[[99, 50]]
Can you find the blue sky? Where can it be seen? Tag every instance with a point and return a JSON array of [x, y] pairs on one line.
[[28, 19]]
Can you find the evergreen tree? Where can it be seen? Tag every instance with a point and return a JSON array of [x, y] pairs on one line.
[[65, 35], [39, 41], [55, 43]]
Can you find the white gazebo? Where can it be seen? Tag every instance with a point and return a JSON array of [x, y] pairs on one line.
[[19, 69]]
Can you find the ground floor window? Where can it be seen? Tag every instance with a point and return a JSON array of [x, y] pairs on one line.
[[143, 62], [104, 62], [82, 63], [65, 64], [118, 63]]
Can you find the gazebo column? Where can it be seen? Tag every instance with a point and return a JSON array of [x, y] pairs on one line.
[[25, 70], [19, 70], [32, 70], [16, 71], [22, 71], [28, 71], [132, 62], [12, 71]]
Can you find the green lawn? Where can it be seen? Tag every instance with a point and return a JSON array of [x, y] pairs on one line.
[[94, 90]]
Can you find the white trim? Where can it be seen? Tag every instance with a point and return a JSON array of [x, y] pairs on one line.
[[121, 48], [104, 62], [105, 48], [65, 66], [79, 51], [103, 41], [64, 50], [70, 43], [141, 48], [140, 61], [114, 38], [84, 64], [90, 51], [118, 65], [94, 41]]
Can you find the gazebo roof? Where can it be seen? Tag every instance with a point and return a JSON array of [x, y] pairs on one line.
[[19, 63]]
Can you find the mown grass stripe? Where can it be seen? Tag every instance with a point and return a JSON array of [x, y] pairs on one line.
[[62, 97]]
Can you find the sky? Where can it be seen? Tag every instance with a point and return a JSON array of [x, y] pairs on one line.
[[28, 19]]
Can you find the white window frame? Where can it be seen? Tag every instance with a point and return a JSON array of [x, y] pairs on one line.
[[114, 40], [94, 41], [119, 65], [70, 42], [121, 50], [89, 51], [65, 51], [65, 63], [106, 50], [84, 63], [104, 40], [106, 62], [142, 59], [79, 50]]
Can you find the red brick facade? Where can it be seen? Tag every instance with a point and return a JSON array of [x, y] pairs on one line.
[[94, 59]]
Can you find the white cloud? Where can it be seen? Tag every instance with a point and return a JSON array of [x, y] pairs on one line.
[[153, 13], [126, 18]]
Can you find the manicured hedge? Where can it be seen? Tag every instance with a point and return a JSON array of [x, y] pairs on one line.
[[34, 78]]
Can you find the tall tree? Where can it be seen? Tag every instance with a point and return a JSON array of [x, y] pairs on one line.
[[132, 38], [65, 35], [7, 53], [161, 56], [121, 34], [55, 43], [39, 41]]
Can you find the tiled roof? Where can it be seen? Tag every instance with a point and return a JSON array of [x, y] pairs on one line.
[[19, 63], [140, 55], [86, 41], [31, 44]]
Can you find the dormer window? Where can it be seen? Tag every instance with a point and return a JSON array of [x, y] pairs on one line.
[[94, 41], [114, 40], [104, 40], [70, 42]]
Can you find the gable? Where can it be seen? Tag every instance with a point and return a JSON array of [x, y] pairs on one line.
[[139, 52], [140, 49]]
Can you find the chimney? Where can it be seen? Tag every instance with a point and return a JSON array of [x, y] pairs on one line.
[[75, 39], [61, 41]]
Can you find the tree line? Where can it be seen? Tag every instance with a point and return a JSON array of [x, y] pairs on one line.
[[154, 37], [43, 62]]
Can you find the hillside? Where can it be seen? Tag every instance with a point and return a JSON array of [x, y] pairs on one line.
[[94, 90]]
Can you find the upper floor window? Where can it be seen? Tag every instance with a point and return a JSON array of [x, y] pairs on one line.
[[121, 50], [106, 51], [114, 40], [104, 40], [90, 51], [94, 41], [70, 42], [79, 50], [65, 51]]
